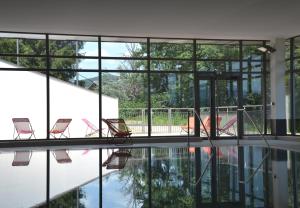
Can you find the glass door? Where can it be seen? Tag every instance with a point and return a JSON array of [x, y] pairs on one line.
[[218, 99], [226, 100]]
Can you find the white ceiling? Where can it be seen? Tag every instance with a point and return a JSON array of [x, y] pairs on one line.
[[228, 19]]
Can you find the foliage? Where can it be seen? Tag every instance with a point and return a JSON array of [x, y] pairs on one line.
[[170, 179], [33, 47], [69, 199], [176, 90]]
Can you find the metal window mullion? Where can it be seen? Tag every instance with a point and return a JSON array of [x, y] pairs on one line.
[[240, 94], [196, 91], [264, 91], [100, 119], [292, 88], [149, 88], [100, 86], [48, 121]]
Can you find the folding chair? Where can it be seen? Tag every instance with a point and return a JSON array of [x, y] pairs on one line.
[[117, 160], [191, 126], [117, 128], [61, 156], [206, 123], [22, 126], [22, 158], [230, 124], [60, 127], [91, 128]]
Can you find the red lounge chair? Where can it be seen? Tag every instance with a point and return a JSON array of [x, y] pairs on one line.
[[117, 128], [22, 126], [61, 156], [226, 128], [91, 128], [60, 127], [191, 125], [206, 123], [22, 158]]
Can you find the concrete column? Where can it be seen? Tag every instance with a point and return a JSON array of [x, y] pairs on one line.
[[277, 74], [280, 178]]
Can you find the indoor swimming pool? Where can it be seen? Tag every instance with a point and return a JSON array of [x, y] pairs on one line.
[[226, 176]]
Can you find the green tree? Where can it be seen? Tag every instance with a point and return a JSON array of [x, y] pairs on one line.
[[34, 47], [69, 200]]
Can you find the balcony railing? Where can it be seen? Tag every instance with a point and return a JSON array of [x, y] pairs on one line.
[[170, 120]]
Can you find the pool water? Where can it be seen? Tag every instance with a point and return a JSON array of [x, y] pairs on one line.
[[149, 177]]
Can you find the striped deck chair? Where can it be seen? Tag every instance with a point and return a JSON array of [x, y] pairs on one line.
[[59, 128], [117, 128], [23, 127], [91, 129], [229, 124]]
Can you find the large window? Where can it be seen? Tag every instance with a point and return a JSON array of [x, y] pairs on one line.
[[292, 81], [149, 82]]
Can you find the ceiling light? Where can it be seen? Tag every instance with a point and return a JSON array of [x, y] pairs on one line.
[[266, 49]]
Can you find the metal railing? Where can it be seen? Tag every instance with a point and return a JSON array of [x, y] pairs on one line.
[[170, 120]]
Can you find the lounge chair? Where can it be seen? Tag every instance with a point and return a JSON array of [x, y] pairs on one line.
[[61, 156], [59, 128], [117, 160], [191, 125], [117, 128], [203, 129], [207, 126], [226, 128], [22, 126], [22, 158], [91, 129]]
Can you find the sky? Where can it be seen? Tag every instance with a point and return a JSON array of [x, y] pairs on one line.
[[107, 49]]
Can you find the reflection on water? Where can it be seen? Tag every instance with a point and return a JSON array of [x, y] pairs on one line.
[[143, 177]]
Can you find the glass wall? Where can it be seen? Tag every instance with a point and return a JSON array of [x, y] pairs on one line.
[[72, 82], [292, 85], [253, 80]]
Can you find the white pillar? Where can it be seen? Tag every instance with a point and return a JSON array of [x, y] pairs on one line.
[[277, 79]]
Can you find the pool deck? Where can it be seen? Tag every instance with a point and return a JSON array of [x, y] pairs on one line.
[[282, 142]]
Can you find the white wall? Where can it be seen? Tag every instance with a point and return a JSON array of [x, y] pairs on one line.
[[23, 94]]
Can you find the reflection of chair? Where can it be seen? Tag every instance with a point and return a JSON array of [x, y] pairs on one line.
[[91, 129], [117, 160], [22, 126], [117, 128], [61, 156], [208, 151], [60, 127], [22, 158], [226, 128]]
